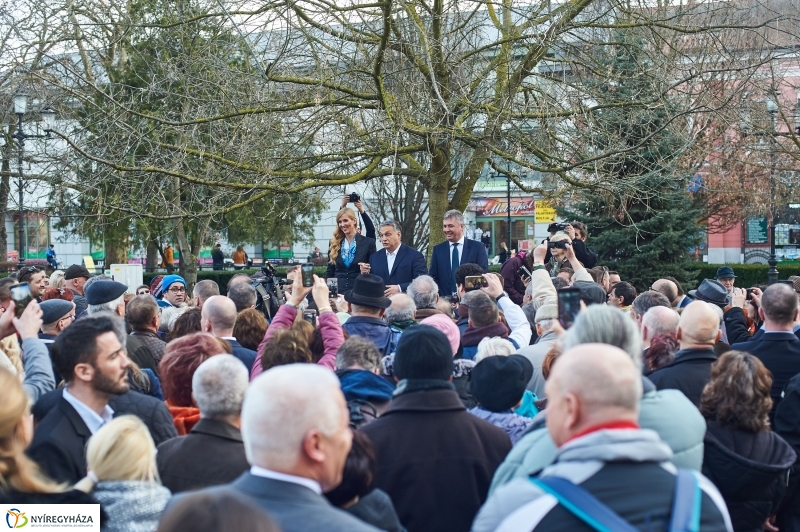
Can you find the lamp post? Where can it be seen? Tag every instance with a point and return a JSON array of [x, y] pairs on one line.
[[48, 118], [772, 273]]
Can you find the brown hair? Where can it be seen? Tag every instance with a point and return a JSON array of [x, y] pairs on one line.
[[187, 323], [287, 346], [550, 359], [738, 393], [57, 293], [336, 241], [250, 328], [181, 359], [303, 327], [141, 311], [17, 471]]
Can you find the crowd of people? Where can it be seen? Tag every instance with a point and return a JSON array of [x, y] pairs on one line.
[[392, 396]]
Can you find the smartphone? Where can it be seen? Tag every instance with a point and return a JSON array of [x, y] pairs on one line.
[[524, 272], [307, 271], [473, 282], [21, 295], [749, 294], [333, 286], [569, 304], [311, 317]]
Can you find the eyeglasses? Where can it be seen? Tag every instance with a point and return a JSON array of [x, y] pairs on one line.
[[177, 290], [70, 317]]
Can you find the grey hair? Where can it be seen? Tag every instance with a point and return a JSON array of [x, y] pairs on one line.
[[530, 312], [110, 306], [603, 324], [454, 215], [219, 385], [390, 223], [424, 291], [493, 347], [356, 351], [243, 296], [402, 309], [169, 315]]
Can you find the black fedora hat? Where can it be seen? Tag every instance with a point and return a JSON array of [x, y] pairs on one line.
[[710, 291], [368, 290]]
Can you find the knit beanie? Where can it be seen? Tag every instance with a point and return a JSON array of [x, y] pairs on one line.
[[423, 352], [448, 328], [168, 281], [498, 382]]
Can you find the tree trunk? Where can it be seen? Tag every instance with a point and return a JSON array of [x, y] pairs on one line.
[[187, 268], [5, 189], [116, 244], [438, 195], [152, 259]]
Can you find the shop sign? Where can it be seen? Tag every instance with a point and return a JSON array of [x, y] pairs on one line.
[[499, 206], [545, 213], [756, 230]]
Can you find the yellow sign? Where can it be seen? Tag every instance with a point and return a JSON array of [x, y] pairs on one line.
[[88, 261], [545, 213]]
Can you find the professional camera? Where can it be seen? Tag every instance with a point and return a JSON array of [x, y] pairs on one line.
[[561, 244], [354, 198], [269, 291], [555, 227]]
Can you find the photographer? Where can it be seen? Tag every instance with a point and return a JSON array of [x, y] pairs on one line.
[[577, 236], [369, 227], [349, 252]]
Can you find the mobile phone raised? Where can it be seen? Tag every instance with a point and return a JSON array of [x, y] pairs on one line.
[[569, 304], [21, 295], [307, 271], [524, 272], [473, 282], [310, 316]]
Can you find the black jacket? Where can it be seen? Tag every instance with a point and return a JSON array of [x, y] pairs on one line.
[[150, 410], [689, 372], [346, 276], [435, 460], [780, 353], [376, 508], [211, 454], [750, 470], [787, 425], [141, 354], [59, 443], [585, 256]]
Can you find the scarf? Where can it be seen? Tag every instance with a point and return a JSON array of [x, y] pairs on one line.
[[473, 335], [184, 417], [348, 254]]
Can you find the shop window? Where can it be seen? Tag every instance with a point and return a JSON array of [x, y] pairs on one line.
[[36, 235]]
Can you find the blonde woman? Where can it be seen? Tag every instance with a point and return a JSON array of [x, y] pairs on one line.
[[57, 279], [349, 252], [122, 475], [21, 481]]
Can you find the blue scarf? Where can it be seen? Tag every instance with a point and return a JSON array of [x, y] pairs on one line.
[[350, 254]]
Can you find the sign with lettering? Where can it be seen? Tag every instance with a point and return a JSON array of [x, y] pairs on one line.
[[757, 231], [499, 206], [545, 212]]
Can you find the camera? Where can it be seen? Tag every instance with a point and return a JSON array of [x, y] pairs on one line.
[[354, 197], [555, 227], [561, 244]]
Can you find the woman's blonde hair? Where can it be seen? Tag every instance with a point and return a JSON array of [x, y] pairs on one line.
[[121, 450], [17, 471], [10, 346], [338, 235]]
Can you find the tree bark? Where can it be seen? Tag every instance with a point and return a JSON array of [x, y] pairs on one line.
[[152, 258]]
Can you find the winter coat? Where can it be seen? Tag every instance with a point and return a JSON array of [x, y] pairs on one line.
[[373, 329], [512, 282], [514, 424], [668, 412], [435, 460], [750, 470], [627, 470], [688, 372], [153, 342], [787, 425], [329, 328], [376, 508], [132, 505], [462, 369]]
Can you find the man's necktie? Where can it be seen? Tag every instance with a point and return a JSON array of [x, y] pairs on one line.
[[454, 266]]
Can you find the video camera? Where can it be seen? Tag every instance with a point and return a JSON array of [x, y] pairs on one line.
[[555, 227], [269, 291], [561, 244]]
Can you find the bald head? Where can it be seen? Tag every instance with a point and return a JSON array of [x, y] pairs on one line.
[[779, 307], [658, 320], [668, 288], [219, 315], [591, 384], [698, 326]]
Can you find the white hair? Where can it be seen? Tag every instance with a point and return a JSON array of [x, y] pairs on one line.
[[169, 315], [604, 324], [110, 306], [454, 214], [403, 308], [282, 405], [219, 385], [660, 320], [424, 291], [492, 347]]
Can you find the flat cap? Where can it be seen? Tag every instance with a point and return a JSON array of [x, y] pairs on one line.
[[100, 292], [55, 309]]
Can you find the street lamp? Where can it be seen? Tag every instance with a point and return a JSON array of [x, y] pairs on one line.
[[772, 273], [48, 119]]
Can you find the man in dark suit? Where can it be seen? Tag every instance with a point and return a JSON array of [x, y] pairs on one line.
[[218, 317], [397, 264], [698, 331], [90, 357], [453, 252], [778, 347], [213, 452], [305, 405]]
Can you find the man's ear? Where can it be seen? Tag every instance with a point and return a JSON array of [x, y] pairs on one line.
[[678, 334], [83, 372], [761, 314], [312, 447], [644, 332], [719, 336]]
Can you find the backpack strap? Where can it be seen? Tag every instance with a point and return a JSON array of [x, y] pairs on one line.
[[686, 503], [583, 505]]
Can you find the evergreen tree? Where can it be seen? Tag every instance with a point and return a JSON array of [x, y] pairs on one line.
[[648, 234]]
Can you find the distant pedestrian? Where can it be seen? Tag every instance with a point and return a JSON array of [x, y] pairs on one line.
[[50, 255], [217, 257], [169, 258]]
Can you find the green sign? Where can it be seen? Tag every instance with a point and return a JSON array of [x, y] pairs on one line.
[[757, 231]]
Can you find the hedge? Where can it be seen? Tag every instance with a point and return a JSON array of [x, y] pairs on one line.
[[748, 275]]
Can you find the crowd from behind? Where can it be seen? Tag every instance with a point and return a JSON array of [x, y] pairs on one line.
[[409, 399]]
